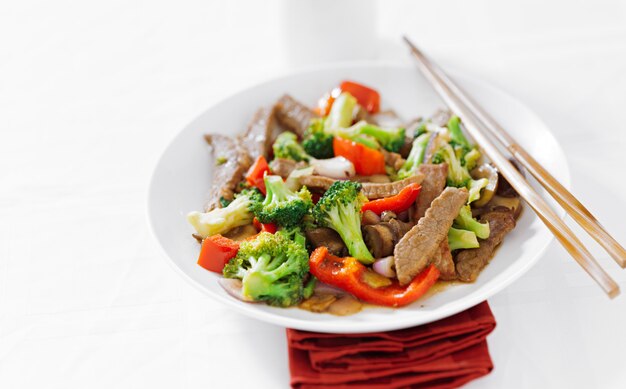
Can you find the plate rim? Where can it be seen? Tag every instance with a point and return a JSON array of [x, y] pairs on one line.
[[443, 311]]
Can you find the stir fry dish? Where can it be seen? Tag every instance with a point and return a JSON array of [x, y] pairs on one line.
[[340, 204]]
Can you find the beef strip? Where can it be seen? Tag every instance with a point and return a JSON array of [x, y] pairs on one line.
[[329, 238], [444, 262], [378, 191], [470, 262], [370, 190], [283, 167], [317, 183], [259, 136], [432, 186], [382, 237], [394, 160], [420, 244], [232, 161], [293, 115], [374, 178]]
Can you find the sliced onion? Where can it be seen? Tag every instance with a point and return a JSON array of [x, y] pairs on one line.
[[337, 167], [385, 266], [233, 287]]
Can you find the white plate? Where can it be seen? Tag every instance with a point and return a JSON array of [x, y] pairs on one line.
[[182, 178]]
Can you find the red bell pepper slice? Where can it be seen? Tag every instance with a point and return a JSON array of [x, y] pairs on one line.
[[366, 161], [398, 203], [350, 275], [216, 251], [257, 172], [367, 97], [264, 227]]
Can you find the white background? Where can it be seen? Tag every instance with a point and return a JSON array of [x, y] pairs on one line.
[[90, 94]]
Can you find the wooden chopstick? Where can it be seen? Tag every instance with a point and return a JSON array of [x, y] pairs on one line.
[[565, 198], [476, 129]]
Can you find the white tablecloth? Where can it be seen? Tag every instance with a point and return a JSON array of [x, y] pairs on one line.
[[90, 94]]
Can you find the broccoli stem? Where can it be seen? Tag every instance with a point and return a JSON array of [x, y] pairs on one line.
[[467, 222], [456, 134], [415, 158], [461, 239], [220, 220], [340, 115], [309, 287], [348, 224]]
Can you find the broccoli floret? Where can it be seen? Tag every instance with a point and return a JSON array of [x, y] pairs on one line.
[[340, 209], [392, 139], [456, 135], [467, 222], [309, 287], [272, 269], [293, 233], [218, 221], [470, 159], [415, 158], [458, 176], [318, 143], [461, 239], [282, 205], [474, 187], [286, 146]]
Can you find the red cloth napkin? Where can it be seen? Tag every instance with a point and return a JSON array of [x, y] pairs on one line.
[[444, 354]]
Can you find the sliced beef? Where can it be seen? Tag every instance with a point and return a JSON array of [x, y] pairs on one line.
[[433, 184], [420, 244], [394, 160], [381, 238], [374, 178], [231, 163], [283, 167], [293, 115], [470, 262], [328, 238], [259, 135], [370, 190], [378, 191], [444, 262], [317, 183]]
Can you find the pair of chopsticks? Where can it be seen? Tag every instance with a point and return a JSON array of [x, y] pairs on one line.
[[478, 123]]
